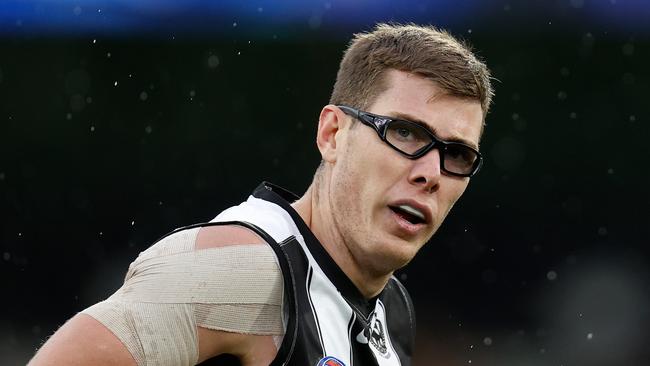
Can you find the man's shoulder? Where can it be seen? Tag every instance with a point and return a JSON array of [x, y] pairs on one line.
[[273, 219], [214, 251], [216, 236], [203, 236], [219, 279]]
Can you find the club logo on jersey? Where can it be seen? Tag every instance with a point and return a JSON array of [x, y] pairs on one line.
[[375, 335], [330, 361], [378, 336]]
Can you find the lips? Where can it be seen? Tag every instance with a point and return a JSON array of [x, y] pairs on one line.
[[411, 211]]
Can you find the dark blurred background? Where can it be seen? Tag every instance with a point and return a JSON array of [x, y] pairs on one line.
[[122, 120]]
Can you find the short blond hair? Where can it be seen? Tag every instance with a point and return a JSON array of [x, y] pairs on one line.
[[423, 50]]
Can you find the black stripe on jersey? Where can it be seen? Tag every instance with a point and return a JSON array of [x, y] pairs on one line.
[[313, 311], [290, 309], [409, 305], [350, 325]]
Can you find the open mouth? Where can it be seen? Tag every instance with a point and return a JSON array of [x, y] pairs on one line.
[[409, 214]]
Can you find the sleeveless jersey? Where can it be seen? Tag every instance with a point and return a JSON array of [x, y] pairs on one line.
[[328, 321]]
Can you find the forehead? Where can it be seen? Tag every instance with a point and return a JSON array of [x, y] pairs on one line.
[[414, 97]]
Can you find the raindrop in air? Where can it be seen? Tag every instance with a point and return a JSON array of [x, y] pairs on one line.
[[551, 275], [588, 40], [213, 61], [628, 49], [564, 71], [315, 21]]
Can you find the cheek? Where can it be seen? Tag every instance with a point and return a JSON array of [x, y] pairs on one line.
[[364, 162], [347, 187], [383, 173], [369, 169]]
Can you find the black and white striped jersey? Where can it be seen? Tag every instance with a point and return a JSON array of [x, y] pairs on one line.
[[328, 321]]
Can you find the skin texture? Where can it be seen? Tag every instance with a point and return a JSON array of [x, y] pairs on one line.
[[85, 341], [361, 177]]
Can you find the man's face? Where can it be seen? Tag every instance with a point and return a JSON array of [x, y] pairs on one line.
[[373, 187]]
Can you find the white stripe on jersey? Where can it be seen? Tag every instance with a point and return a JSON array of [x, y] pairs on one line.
[[333, 313], [310, 273]]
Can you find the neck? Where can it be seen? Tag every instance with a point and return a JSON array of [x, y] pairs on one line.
[[313, 207]]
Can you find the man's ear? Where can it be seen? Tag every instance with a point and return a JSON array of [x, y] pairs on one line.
[[330, 122]]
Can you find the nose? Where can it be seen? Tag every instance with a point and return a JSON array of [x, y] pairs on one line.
[[426, 171]]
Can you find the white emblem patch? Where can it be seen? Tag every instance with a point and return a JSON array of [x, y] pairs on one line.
[[378, 339]]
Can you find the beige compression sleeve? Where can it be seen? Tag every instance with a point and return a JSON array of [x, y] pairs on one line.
[[172, 288]]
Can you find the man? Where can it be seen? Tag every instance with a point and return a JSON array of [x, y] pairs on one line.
[[284, 280]]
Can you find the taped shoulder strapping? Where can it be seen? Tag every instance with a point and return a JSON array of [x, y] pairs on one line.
[[171, 288]]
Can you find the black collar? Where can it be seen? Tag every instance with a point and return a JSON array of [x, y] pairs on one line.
[[283, 198]]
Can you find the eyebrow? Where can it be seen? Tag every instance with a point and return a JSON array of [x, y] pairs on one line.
[[409, 118]]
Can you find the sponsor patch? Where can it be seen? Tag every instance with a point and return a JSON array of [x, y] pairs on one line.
[[330, 361]]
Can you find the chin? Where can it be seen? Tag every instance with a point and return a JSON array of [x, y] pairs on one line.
[[397, 255]]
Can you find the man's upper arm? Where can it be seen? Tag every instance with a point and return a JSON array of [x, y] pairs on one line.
[[193, 295], [83, 341]]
